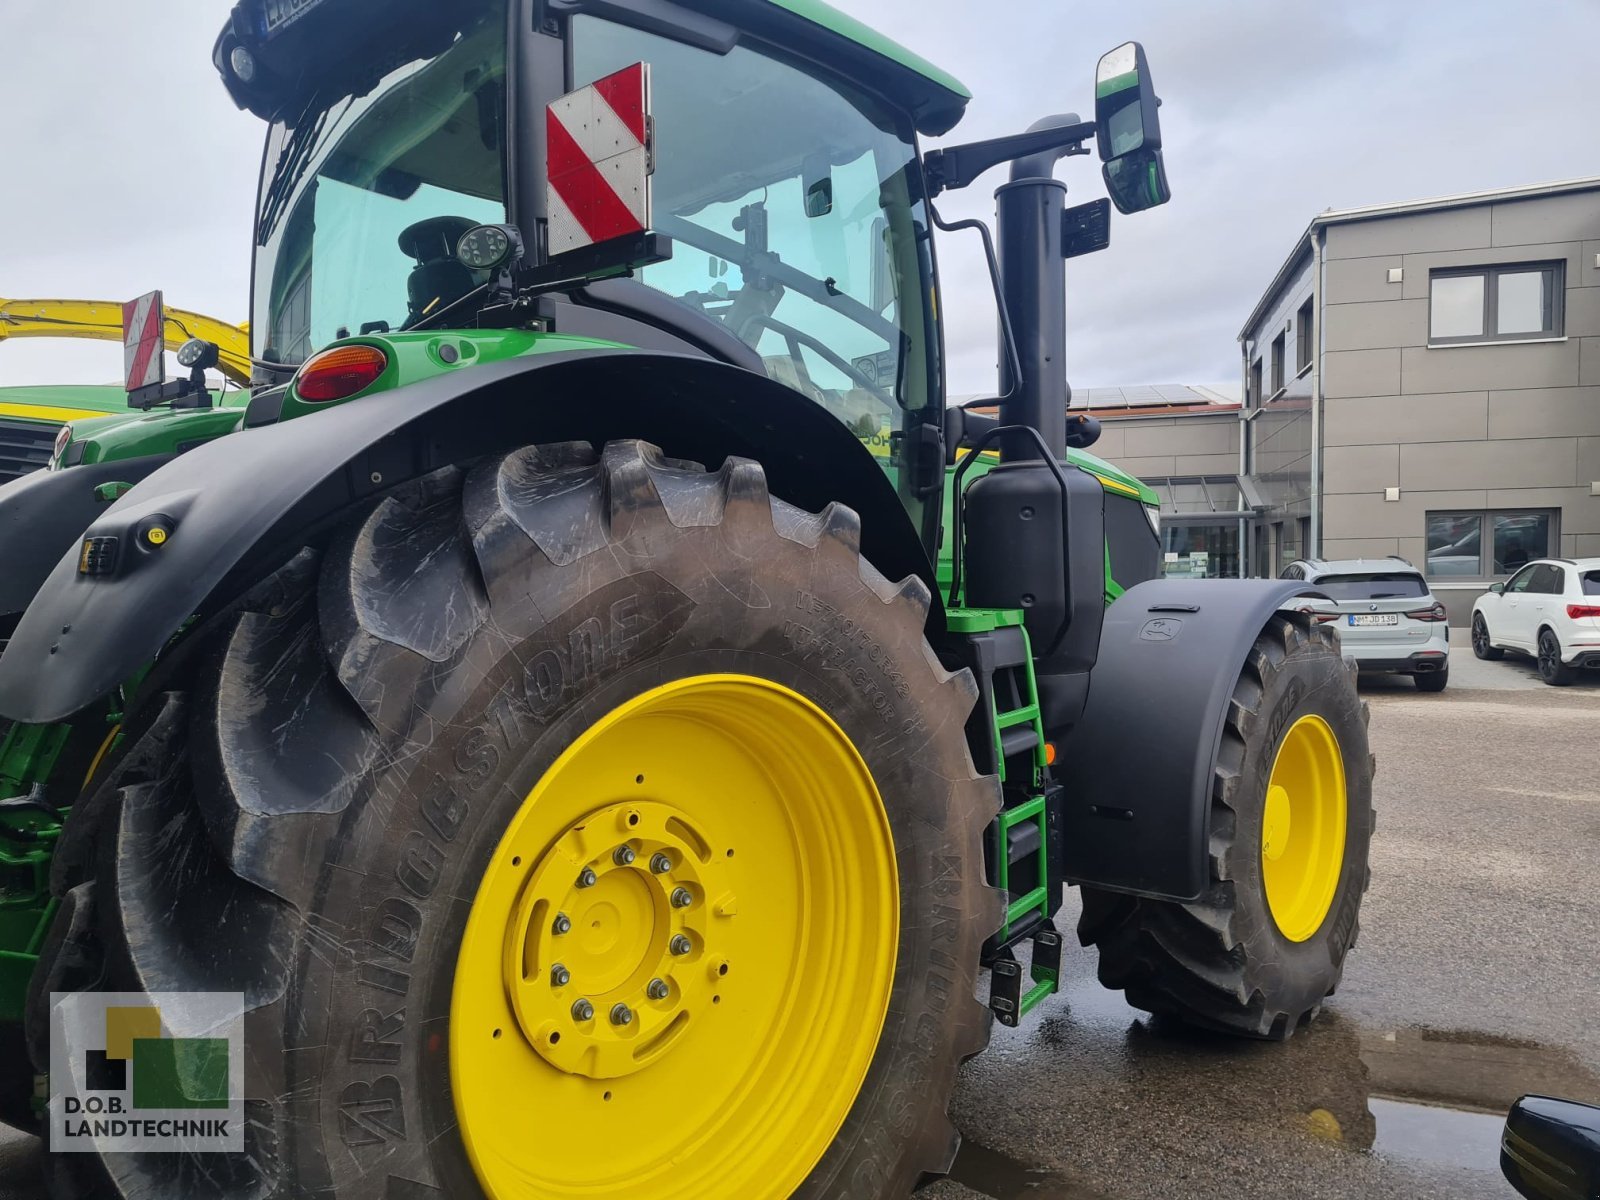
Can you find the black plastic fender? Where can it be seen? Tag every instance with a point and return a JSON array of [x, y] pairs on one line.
[[44, 511], [236, 506], [1138, 765]]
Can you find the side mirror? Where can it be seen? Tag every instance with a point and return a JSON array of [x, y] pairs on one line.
[[1128, 130], [1551, 1148], [1497, 588]]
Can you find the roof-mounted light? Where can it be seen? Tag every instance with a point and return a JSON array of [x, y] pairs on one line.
[[486, 247], [243, 64]]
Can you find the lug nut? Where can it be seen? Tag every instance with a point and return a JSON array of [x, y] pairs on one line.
[[682, 898], [623, 855], [582, 1010], [586, 877], [680, 945], [621, 1014], [560, 976], [562, 924], [660, 863], [658, 989]]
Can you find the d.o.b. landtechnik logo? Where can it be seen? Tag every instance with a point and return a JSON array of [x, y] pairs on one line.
[[137, 1071]]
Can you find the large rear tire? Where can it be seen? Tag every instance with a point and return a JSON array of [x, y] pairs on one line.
[[1291, 821], [375, 805]]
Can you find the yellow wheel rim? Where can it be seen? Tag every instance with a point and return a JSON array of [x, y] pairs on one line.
[[677, 966], [1303, 828]]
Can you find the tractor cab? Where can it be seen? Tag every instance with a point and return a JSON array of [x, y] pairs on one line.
[[788, 203]]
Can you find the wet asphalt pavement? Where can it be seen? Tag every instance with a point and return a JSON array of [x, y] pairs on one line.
[[1474, 981]]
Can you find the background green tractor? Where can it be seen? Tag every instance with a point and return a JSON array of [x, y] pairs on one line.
[[31, 417], [546, 703]]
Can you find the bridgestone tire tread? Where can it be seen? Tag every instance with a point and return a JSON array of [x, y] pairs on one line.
[[195, 862]]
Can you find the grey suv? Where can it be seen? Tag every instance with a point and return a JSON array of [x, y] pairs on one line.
[[1387, 618]]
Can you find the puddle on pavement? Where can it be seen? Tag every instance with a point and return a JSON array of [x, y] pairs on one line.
[[1431, 1097], [1440, 1096], [1451, 1137], [1001, 1177]]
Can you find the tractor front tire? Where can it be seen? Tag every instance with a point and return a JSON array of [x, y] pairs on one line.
[[573, 826], [1290, 825]]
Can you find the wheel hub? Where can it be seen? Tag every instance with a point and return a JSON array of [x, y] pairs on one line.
[[640, 952], [678, 959]]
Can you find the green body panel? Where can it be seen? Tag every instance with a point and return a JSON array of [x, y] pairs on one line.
[[413, 357], [86, 398], [159, 431], [1111, 475]]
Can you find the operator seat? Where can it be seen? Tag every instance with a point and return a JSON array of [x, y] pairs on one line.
[[438, 280]]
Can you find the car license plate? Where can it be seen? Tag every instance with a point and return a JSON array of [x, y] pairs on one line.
[[1358, 620]]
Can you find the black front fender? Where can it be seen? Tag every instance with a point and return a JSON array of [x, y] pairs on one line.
[[235, 507], [1139, 764], [45, 511]]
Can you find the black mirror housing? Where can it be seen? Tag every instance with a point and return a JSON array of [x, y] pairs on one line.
[[1551, 1149], [1125, 103], [1128, 130], [1137, 180]]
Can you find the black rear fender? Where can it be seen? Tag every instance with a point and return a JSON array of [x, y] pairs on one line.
[[235, 507], [1138, 766]]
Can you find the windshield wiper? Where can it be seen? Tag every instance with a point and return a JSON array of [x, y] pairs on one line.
[[292, 163]]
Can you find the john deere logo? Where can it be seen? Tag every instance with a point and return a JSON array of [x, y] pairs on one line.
[[131, 1071]]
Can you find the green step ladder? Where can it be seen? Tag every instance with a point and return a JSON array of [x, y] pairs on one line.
[[1002, 660]]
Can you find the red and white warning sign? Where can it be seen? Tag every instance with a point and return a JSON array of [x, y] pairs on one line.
[[599, 160], [143, 338]]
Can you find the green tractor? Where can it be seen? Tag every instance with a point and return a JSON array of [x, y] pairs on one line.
[[594, 713]]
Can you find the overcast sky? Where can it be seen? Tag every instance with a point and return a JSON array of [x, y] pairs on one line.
[[126, 166]]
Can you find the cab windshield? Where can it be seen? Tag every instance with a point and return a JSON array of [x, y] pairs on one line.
[[363, 197], [796, 211]]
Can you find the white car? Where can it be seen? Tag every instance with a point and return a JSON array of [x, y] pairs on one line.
[[1549, 609]]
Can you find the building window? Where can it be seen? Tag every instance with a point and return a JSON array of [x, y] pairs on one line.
[[1480, 544], [1515, 302], [1277, 364], [1303, 345], [1255, 383]]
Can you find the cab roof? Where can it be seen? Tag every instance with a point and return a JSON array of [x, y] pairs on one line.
[[811, 29]]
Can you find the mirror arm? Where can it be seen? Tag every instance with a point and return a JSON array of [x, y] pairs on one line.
[[959, 166]]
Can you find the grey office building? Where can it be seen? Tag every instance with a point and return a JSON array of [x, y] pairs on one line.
[[1423, 379]]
